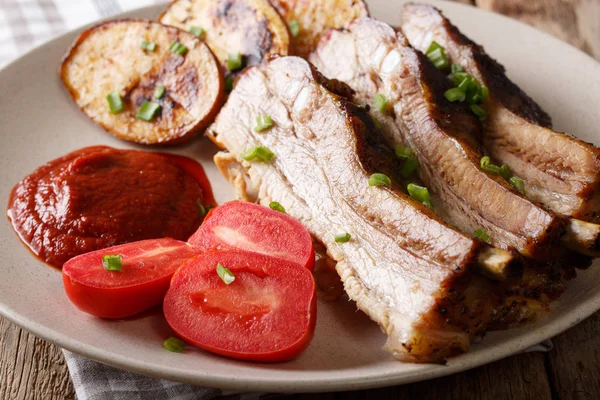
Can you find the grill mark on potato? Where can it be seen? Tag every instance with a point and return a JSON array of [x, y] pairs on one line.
[[258, 38]]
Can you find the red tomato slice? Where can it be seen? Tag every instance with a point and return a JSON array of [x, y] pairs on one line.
[[251, 227], [268, 313], [195, 169], [146, 272]]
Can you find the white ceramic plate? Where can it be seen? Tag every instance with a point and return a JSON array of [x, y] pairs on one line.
[[38, 122]]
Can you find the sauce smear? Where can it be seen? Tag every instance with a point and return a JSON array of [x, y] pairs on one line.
[[99, 197]]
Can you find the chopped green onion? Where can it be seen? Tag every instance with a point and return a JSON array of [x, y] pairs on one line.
[[159, 92], [173, 344], [473, 98], [403, 152], [420, 193], [454, 94], [479, 111], [342, 237], [294, 28], [458, 77], [258, 153], [115, 102], [196, 30], [277, 207], [229, 83], [263, 123], [225, 274], [505, 172], [482, 235], [203, 209], [517, 183], [234, 61], [454, 68], [487, 167], [379, 180], [148, 46], [437, 55], [178, 48], [467, 84], [380, 103], [112, 262], [410, 165], [484, 92], [148, 111]]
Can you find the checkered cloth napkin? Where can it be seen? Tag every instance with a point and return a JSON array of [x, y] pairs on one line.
[[25, 24]]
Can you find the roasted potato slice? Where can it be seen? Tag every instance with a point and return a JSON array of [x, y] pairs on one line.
[[313, 17], [109, 58], [251, 27]]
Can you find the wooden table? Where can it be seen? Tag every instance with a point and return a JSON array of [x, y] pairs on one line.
[[31, 368]]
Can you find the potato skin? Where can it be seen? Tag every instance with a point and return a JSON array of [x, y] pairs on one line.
[[317, 16], [252, 27], [108, 58]]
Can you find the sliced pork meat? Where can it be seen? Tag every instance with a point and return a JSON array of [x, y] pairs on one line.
[[559, 170], [375, 60], [401, 261]]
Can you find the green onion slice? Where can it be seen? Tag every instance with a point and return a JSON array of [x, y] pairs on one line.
[[229, 83], [454, 94], [148, 111], [487, 167], [410, 165], [173, 344], [159, 92], [277, 207], [197, 31], [403, 152], [482, 235], [148, 46], [263, 123], [294, 28], [225, 274], [203, 209], [517, 183], [484, 92], [234, 61], [342, 237], [505, 172], [258, 153], [379, 180], [178, 48], [479, 111], [454, 68], [380, 103], [437, 55], [420, 193], [112, 262], [115, 102]]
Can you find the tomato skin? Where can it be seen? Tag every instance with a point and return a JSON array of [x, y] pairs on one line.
[[238, 225], [116, 303], [268, 313], [148, 266]]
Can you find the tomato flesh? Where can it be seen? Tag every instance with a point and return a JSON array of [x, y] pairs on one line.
[[250, 227], [268, 313], [146, 272]]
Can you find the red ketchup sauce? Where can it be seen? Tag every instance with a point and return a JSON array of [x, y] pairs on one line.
[[99, 197]]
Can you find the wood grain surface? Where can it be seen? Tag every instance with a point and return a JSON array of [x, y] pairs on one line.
[[31, 368]]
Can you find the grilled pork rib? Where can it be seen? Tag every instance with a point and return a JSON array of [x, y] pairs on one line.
[[374, 59], [402, 262], [559, 170]]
